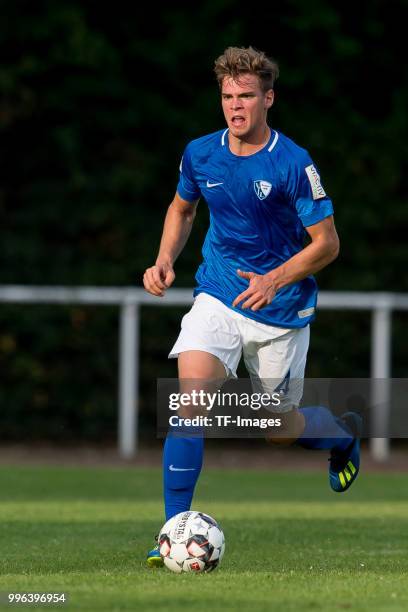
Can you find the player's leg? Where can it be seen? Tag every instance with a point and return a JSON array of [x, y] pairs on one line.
[[208, 349], [317, 428], [339, 435], [183, 451], [314, 427], [275, 360], [183, 456]]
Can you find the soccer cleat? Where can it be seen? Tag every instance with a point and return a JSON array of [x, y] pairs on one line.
[[154, 558], [345, 465]]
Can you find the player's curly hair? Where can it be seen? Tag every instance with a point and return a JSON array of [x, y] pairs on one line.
[[236, 61]]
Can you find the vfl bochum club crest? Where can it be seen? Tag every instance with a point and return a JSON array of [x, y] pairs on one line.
[[262, 189]]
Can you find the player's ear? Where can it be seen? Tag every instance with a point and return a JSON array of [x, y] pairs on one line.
[[269, 98]]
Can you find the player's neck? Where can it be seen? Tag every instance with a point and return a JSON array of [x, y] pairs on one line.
[[251, 143]]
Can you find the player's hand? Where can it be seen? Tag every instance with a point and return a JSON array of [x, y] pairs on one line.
[[158, 278], [260, 292]]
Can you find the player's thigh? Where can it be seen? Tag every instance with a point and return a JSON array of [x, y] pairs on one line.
[[275, 358], [209, 334], [278, 366], [200, 365]]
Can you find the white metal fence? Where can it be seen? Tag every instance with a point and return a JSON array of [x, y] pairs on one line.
[[130, 299]]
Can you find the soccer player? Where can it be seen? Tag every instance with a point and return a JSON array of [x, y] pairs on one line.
[[255, 292]]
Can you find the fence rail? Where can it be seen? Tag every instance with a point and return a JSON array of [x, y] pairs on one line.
[[129, 299]]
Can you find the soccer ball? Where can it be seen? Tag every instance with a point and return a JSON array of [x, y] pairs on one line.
[[191, 542]]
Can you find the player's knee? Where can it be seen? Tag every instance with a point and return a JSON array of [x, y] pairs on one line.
[[200, 374], [292, 425]]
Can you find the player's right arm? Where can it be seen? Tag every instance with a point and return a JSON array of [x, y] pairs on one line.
[[177, 227]]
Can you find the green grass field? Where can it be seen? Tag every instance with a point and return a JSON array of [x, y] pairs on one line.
[[292, 544]]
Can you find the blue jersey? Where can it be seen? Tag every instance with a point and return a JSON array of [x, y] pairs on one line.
[[259, 206]]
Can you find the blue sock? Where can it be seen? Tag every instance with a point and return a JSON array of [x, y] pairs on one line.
[[182, 461], [323, 430]]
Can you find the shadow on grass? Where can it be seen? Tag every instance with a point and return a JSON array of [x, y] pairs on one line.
[[54, 547]]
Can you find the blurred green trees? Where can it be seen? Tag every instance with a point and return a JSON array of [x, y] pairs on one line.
[[97, 105]]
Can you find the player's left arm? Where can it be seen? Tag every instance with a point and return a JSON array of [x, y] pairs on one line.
[[322, 250]]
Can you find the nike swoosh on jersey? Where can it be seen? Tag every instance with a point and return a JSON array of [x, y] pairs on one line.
[[176, 469], [213, 184]]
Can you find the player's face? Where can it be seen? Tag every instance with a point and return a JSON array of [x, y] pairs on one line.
[[245, 105]]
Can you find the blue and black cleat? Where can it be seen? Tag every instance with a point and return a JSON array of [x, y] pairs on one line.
[[345, 465], [154, 558]]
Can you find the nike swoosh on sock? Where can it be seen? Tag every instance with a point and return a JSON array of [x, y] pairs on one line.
[[176, 469]]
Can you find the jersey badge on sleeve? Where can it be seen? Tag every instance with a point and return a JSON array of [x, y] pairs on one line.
[[315, 184], [262, 189]]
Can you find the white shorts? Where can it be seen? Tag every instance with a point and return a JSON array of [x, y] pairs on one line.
[[270, 353]]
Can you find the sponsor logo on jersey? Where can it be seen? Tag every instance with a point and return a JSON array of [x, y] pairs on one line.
[[262, 189], [306, 312], [314, 180]]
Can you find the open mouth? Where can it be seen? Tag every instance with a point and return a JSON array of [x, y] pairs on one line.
[[238, 120]]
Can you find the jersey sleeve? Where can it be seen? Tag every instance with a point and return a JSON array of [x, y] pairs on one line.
[[305, 191], [187, 187]]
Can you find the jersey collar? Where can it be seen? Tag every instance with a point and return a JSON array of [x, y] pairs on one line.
[[270, 145]]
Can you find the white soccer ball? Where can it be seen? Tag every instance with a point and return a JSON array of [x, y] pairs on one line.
[[191, 542]]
